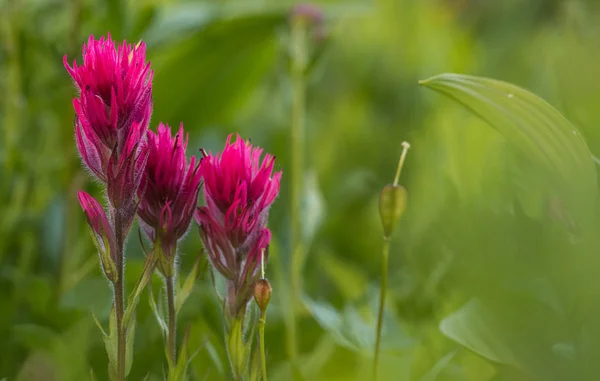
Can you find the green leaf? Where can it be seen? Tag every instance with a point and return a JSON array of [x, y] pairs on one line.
[[230, 56], [438, 368], [537, 129], [348, 278], [239, 351], [184, 292], [92, 292], [134, 297], [110, 342], [157, 314], [183, 360], [213, 359], [354, 327], [473, 327], [129, 346]]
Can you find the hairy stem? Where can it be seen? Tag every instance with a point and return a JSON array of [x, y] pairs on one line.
[[299, 62], [172, 320], [261, 332], [382, 291], [119, 290]]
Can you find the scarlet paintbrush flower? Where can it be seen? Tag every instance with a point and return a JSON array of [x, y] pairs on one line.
[[170, 196], [102, 232], [115, 93], [238, 191]]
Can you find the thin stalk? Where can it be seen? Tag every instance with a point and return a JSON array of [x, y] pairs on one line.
[[172, 320], [119, 290], [299, 62], [261, 332], [384, 267], [382, 291]]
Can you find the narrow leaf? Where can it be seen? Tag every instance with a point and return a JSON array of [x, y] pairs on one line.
[[156, 312], [182, 360], [185, 291], [139, 287], [129, 346]]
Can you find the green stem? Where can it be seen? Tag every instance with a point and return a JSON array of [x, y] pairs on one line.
[[119, 289], [384, 271], [261, 332], [172, 320], [299, 62]]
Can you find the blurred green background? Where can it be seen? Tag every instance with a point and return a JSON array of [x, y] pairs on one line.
[[484, 248]]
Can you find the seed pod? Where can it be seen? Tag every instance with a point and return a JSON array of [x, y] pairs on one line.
[[392, 203], [262, 293]]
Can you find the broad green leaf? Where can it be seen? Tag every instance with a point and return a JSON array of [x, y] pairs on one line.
[[174, 20], [473, 327], [537, 129], [230, 57], [92, 292], [354, 327]]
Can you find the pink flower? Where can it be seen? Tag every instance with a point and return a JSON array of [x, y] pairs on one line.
[[170, 193], [102, 233], [238, 191], [115, 93]]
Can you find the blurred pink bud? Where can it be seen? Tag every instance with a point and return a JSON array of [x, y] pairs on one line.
[[308, 12], [313, 17], [115, 92], [102, 233], [171, 186]]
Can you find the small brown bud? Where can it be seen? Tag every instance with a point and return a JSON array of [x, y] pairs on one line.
[[392, 203], [262, 293]]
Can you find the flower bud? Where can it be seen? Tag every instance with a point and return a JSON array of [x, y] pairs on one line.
[[102, 233], [262, 293], [392, 203]]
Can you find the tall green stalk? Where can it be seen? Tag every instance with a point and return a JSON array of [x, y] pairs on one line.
[[384, 274], [119, 291], [298, 68], [171, 339], [261, 332], [392, 203]]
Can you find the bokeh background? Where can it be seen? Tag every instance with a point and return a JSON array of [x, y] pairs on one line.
[[490, 277]]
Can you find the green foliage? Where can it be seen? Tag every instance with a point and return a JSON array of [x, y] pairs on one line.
[[493, 266]]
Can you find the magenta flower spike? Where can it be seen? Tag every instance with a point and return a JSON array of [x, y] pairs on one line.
[[115, 96], [169, 196], [112, 113], [238, 191], [102, 232]]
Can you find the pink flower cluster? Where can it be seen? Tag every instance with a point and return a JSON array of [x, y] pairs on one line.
[[238, 191], [112, 114], [148, 173], [170, 196]]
